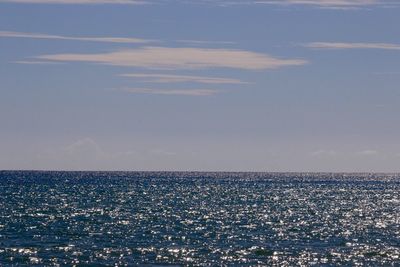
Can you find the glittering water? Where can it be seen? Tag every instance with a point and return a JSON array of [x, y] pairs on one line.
[[208, 219]]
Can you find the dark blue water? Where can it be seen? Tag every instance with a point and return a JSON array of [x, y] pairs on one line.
[[207, 219]]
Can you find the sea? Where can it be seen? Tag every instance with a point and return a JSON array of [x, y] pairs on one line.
[[199, 219]]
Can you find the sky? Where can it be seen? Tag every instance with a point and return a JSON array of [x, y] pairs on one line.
[[200, 85]]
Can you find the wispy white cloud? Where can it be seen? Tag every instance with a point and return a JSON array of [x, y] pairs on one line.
[[200, 42], [180, 58], [74, 2], [183, 92], [334, 45], [168, 78], [36, 62], [387, 73], [324, 153], [11, 34], [325, 3], [340, 4], [321, 2], [87, 154], [368, 152], [162, 152], [86, 146]]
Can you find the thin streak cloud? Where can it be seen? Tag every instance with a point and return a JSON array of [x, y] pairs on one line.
[[27, 62], [75, 2], [201, 42], [323, 3], [10, 34], [180, 58], [168, 78], [368, 152], [328, 45], [183, 92], [339, 4]]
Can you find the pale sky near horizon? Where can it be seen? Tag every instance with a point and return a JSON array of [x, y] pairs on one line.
[[224, 85]]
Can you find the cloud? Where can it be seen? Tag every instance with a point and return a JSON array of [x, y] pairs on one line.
[[74, 2], [87, 154], [85, 147], [167, 78], [11, 34], [36, 62], [162, 152], [387, 73], [339, 4], [183, 92], [368, 152], [324, 153], [325, 3], [200, 42], [329, 45], [180, 58]]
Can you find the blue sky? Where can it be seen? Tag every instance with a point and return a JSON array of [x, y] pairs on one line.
[[289, 85]]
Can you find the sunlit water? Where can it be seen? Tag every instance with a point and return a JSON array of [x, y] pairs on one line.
[[208, 219]]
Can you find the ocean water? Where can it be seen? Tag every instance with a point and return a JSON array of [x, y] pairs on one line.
[[199, 219]]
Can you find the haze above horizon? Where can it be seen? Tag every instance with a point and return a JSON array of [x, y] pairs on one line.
[[302, 86]]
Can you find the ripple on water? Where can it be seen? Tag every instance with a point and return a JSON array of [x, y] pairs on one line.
[[67, 218]]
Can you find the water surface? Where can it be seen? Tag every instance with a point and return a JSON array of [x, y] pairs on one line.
[[206, 219]]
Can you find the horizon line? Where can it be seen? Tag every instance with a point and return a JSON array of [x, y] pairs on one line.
[[199, 171]]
